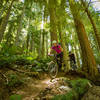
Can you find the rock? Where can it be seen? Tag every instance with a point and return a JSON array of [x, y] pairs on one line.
[[64, 88], [92, 94], [55, 87]]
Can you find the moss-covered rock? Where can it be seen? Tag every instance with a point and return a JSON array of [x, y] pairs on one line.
[[79, 87], [92, 94], [72, 95]]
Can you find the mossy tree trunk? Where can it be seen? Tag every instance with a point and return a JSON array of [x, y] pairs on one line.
[[75, 49], [46, 45], [5, 21], [32, 43], [3, 9], [62, 34], [9, 36], [19, 29], [43, 44], [97, 34], [53, 26], [88, 60], [65, 52]]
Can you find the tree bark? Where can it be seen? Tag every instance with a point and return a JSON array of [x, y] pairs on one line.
[[65, 52], [20, 26], [75, 49], [3, 9], [77, 56], [96, 32], [43, 47], [46, 45], [9, 34], [53, 26], [27, 42], [32, 43], [5, 22], [88, 60]]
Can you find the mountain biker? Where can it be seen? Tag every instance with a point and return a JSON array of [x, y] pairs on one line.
[[58, 50], [72, 60]]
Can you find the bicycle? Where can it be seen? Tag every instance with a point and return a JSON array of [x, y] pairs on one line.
[[53, 66]]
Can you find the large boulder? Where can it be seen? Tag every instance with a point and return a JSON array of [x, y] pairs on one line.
[[92, 94]]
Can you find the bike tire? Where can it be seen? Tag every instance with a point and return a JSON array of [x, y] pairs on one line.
[[53, 70]]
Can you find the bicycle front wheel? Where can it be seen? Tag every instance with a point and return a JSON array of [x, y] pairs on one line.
[[53, 70]]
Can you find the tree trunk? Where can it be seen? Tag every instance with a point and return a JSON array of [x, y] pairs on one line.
[[27, 42], [97, 34], [5, 22], [77, 57], [40, 47], [43, 41], [65, 52], [53, 27], [75, 49], [88, 60], [46, 45], [3, 9], [20, 26], [9, 34], [32, 43]]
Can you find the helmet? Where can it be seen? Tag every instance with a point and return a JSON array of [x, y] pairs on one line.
[[54, 41]]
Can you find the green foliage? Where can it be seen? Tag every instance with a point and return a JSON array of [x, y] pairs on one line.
[[9, 50], [15, 97], [6, 61], [24, 60], [80, 85], [72, 95], [15, 59], [14, 81], [40, 65]]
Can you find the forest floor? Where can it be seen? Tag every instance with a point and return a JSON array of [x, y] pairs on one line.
[[37, 86], [42, 88]]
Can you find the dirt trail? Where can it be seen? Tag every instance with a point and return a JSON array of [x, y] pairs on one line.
[[33, 88]]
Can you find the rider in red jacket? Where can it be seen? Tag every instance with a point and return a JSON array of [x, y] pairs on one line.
[[59, 52]]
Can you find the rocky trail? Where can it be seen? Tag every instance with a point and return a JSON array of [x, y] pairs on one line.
[[40, 87]]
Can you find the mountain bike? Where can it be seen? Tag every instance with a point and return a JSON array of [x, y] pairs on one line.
[[53, 66]]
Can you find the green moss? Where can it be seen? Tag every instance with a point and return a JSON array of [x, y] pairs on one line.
[[14, 81], [15, 97], [72, 95], [80, 85]]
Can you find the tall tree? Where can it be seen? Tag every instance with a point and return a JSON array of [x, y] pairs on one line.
[[53, 26], [19, 29], [3, 9], [88, 60], [61, 27], [43, 42], [97, 34], [5, 21]]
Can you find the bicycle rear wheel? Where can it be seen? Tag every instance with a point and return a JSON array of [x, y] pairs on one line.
[[53, 70]]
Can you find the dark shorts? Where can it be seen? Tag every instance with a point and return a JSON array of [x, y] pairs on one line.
[[60, 58]]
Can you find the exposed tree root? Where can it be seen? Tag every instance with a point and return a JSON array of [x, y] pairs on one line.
[[31, 74]]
